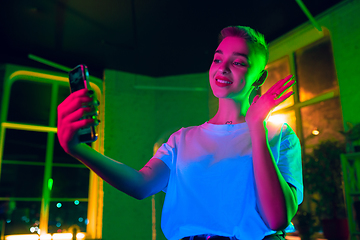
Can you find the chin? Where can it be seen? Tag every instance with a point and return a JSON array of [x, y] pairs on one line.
[[219, 95]]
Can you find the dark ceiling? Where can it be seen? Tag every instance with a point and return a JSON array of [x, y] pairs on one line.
[[149, 37]]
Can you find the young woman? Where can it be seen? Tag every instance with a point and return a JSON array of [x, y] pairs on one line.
[[233, 177]]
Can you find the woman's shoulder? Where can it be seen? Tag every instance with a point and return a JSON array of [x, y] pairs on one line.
[[184, 130]]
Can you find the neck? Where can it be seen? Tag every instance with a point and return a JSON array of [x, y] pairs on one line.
[[230, 112]]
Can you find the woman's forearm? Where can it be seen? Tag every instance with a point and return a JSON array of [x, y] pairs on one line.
[[117, 174], [275, 198]]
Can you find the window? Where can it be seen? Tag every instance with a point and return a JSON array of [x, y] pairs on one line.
[[42, 187], [315, 104], [314, 110]]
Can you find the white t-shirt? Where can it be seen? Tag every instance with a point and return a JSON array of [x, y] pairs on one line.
[[211, 189]]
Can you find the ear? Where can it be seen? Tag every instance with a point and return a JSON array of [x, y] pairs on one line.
[[261, 80]]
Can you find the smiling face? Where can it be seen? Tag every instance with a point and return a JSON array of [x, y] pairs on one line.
[[233, 71]]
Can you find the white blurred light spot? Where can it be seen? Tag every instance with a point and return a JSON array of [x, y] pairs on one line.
[[315, 132], [62, 236], [278, 118], [45, 237], [22, 237], [80, 236]]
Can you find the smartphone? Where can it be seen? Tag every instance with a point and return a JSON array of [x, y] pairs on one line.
[[79, 79]]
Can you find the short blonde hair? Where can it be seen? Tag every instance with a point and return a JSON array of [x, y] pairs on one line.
[[253, 37]]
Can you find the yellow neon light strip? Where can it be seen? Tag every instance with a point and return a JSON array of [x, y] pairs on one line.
[[153, 213], [37, 75], [28, 127]]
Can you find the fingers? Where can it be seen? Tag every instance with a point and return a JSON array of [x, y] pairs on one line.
[[85, 112], [77, 100], [78, 110], [283, 98], [67, 132], [84, 123], [287, 86], [280, 84], [278, 89]]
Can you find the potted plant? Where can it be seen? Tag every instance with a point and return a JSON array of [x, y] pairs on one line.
[[323, 175], [305, 224]]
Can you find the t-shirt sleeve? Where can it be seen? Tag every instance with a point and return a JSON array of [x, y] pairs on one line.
[[167, 151], [289, 162]]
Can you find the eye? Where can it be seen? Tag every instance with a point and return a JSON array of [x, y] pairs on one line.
[[216, 60], [240, 64]]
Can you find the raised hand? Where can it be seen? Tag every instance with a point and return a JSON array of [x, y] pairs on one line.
[[262, 105], [79, 104]]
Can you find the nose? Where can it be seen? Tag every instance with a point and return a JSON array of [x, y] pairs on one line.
[[224, 68]]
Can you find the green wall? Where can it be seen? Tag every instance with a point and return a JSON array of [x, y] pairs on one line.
[[135, 117], [343, 23]]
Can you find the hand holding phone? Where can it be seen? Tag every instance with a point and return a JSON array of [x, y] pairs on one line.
[[79, 79]]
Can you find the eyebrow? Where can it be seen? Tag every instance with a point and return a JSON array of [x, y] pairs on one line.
[[235, 53]]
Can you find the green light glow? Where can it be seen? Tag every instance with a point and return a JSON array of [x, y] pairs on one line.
[[50, 183]]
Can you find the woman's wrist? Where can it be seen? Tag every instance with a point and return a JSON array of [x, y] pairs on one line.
[[256, 126]]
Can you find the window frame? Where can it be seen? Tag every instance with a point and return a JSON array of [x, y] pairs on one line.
[[286, 46], [56, 79]]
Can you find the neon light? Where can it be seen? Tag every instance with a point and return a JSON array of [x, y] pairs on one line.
[[153, 217], [308, 14], [28, 127], [80, 236], [22, 237], [58, 205], [49, 63], [45, 237], [62, 236], [76, 202], [50, 183], [36, 75]]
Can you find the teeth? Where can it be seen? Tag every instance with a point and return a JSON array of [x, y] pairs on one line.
[[223, 81]]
